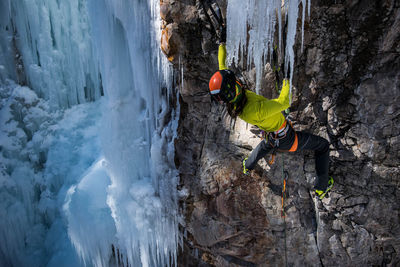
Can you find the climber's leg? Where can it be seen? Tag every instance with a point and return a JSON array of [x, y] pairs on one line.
[[320, 145], [258, 153]]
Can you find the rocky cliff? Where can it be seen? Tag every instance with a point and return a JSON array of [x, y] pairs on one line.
[[347, 89]]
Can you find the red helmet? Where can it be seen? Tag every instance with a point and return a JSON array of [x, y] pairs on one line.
[[224, 86], [215, 83]]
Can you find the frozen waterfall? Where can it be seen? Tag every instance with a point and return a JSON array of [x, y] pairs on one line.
[[88, 177], [87, 126]]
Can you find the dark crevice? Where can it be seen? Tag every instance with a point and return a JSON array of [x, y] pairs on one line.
[[237, 261]]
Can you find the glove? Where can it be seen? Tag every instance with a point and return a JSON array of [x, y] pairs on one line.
[[245, 170], [285, 83]]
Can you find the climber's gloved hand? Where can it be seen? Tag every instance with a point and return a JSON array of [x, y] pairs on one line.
[[285, 83]]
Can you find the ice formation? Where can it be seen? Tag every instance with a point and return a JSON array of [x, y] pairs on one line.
[[87, 171], [53, 39], [44, 152], [251, 28]]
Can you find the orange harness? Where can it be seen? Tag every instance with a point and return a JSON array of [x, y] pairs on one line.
[[280, 134], [296, 141]]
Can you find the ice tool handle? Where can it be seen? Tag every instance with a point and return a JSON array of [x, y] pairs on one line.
[[214, 16]]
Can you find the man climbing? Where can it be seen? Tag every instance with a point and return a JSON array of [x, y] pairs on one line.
[[267, 115]]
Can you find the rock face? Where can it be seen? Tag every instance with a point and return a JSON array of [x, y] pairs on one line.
[[348, 91]]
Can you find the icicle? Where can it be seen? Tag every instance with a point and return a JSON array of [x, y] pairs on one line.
[[255, 21], [236, 29], [291, 34], [55, 48], [279, 9], [251, 29]]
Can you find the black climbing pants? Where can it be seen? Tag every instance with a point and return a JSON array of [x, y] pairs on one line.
[[306, 141]]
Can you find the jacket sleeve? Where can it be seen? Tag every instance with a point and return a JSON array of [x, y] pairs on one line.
[[222, 57], [271, 107]]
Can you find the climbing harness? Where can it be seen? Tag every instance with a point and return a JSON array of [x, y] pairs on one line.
[[274, 137]]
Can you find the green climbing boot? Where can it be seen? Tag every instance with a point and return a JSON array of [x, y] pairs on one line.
[[321, 194], [245, 170]]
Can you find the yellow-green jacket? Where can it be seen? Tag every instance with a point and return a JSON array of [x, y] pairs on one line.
[[265, 113]]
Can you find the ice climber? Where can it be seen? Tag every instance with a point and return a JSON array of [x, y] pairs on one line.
[[267, 115]]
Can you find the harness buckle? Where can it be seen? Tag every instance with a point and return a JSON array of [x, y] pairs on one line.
[[283, 130]]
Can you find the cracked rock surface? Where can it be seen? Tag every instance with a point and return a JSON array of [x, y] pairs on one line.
[[348, 91]]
